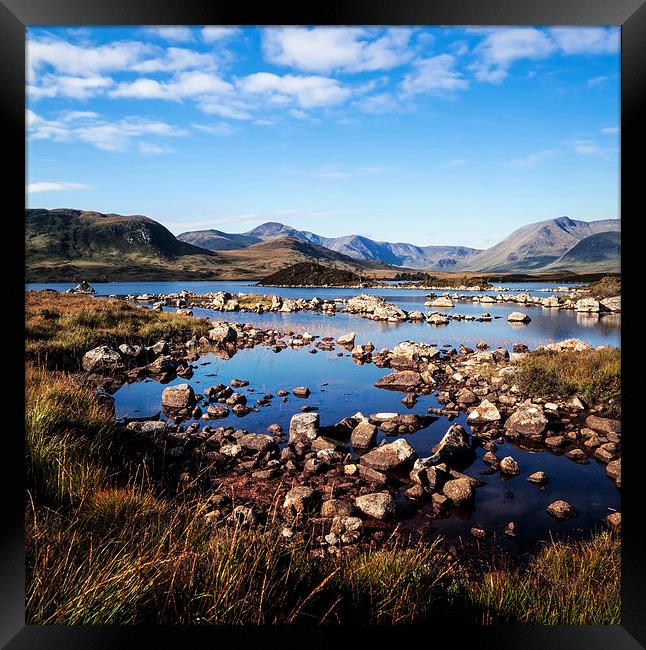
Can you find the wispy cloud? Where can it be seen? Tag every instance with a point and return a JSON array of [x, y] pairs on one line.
[[609, 130], [92, 129], [50, 186], [436, 74], [533, 158]]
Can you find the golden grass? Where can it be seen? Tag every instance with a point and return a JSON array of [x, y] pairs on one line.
[[60, 328], [593, 374]]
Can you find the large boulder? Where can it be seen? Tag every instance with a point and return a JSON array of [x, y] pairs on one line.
[[416, 351], [364, 435], [221, 333], [102, 360], [379, 505], [303, 427], [518, 317], [612, 304], [561, 510], [178, 397], [588, 305], [484, 413], [404, 381], [299, 500], [442, 301], [603, 425], [257, 442], [454, 448], [528, 420], [390, 456], [577, 345], [347, 339], [459, 490]]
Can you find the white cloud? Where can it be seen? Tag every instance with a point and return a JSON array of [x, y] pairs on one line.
[[153, 149], [324, 49], [110, 136], [455, 162], [436, 74], [181, 86], [586, 40], [376, 104], [533, 159], [84, 60], [307, 92], [53, 85], [221, 128], [175, 33], [502, 47], [46, 186], [610, 130], [588, 148], [597, 81], [174, 59], [212, 34]]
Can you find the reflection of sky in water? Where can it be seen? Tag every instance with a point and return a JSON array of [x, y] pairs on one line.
[[341, 388]]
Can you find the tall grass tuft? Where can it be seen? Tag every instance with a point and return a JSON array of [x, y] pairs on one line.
[[593, 374]]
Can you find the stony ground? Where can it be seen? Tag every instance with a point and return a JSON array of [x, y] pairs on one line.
[[308, 477]]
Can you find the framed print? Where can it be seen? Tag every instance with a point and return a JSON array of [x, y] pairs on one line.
[[323, 322]]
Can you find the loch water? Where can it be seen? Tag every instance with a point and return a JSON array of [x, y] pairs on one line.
[[339, 388]]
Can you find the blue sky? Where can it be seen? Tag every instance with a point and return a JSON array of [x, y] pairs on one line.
[[424, 135]]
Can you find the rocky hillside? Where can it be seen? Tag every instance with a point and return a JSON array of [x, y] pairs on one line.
[[596, 252], [67, 244], [537, 245]]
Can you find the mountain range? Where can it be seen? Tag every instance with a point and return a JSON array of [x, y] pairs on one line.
[[355, 246], [66, 244]]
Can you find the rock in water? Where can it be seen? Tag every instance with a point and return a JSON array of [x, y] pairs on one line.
[[347, 339], [459, 491], [404, 381], [453, 449], [178, 397], [518, 317], [303, 428], [390, 456], [561, 510], [364, 435], [528, 420], [222, 332]]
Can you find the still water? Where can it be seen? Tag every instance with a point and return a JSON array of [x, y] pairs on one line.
[[546, 326], [340, 388]]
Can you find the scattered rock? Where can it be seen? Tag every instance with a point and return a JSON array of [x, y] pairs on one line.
[[379, 505], [561, 510]]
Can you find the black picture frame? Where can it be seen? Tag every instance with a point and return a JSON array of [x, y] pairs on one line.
[[15, 15]]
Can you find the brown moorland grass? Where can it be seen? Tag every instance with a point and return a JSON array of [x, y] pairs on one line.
[[105, 547], [595, 375], [60, 328]]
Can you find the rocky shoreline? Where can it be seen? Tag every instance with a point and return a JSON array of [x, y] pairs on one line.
[[335, 479], [376, 307]]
